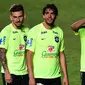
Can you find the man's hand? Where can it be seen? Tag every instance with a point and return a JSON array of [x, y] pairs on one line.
[[8, 77], [32, 81], [65, 81]]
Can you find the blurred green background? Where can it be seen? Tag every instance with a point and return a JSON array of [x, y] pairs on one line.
[[69, 12]]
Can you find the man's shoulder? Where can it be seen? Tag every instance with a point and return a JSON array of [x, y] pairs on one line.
[[25, 28], [57, 28], [6, 29], [35, 28]]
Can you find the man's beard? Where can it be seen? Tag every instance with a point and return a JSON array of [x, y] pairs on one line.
[[18, 26], [50, 24]]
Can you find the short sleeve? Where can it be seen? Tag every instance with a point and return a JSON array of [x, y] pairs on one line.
[[31, 41], [76, 33], [4, 39], [62, 46]]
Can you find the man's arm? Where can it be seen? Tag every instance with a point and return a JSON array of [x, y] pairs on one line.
[[75, 26], [64, 68], [3, 58], [8, 78], [29, 59]]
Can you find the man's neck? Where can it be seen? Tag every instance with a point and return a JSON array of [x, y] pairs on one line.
[[47, 26], [19, 27]]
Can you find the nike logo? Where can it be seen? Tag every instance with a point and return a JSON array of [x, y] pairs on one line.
[[42, 38]]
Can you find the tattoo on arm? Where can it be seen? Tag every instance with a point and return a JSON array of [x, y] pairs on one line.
[[3, 58]]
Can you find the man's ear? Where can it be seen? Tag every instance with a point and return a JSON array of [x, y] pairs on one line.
[[10, 17], [24, 16], [43, 16]]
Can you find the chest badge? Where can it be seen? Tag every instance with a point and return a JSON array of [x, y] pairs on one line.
[[56, 39]]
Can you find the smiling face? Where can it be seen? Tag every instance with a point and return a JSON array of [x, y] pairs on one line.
[[17, 18], [49, 17]]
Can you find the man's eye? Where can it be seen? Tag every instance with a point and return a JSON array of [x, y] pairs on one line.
[[46, 12]]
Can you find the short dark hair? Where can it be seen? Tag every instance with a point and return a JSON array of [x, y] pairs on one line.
[[52, 7], [16, 7]]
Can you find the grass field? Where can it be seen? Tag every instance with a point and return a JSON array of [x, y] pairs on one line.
[[69, 12]]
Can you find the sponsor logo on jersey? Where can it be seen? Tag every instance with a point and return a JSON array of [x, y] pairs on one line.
[[20, 51], [14, 38], [14, 32], [4, 39], [0, 40], [43, 32], [29, 42], [50, 49], [43, 38], [49, 53], [21, 47], [55, 32]]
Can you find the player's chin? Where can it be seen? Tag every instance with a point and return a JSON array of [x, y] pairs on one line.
[[50, 21], [19, 24]]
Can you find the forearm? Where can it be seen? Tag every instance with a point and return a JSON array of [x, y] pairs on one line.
[[75, 26], [63, 64], [3, 58], [30, 70], [30, 64]]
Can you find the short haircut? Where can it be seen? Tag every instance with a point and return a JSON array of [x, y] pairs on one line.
[[52, 7], [16, 7]]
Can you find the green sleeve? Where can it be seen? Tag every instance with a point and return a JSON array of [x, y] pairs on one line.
[[62, 46], [4, 37], [31, 41]]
